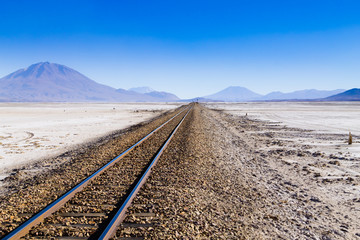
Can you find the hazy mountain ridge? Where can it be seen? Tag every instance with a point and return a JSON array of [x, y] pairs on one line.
[[51, 82], [166, 96], [233, 94], [301, 94], [54, 82], [163, 95], [141, 90], [349, 95]]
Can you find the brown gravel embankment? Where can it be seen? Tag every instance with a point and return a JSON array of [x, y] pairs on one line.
[[197, 190]]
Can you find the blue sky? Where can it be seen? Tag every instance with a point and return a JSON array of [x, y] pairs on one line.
[[190, 48]]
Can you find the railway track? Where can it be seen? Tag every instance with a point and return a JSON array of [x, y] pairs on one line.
[[95, 207]]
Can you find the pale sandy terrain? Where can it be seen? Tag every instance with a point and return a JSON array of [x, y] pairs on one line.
[[335, 117], [321, 117], [32, 131]]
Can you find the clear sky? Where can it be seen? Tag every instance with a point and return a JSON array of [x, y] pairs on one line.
[[190, 48]]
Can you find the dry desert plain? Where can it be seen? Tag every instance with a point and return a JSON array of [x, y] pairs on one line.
[[276, 170], [33, 131], [337, 118]]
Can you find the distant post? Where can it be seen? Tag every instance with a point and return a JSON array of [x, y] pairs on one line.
[[350, 138]]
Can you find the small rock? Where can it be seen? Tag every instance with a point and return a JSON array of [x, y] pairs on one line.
[[314, 199], [317, 175], [335, 162], [350, 179]]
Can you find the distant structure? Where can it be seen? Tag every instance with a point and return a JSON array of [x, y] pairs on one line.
[[350, 138]]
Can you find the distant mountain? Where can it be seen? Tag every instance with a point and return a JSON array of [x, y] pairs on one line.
[[162, 96], [54, 82], [51, 82], [200, 99], [165, 96], [142, 90], [349, 95], [302, 94], [239, 94], [234, 94]]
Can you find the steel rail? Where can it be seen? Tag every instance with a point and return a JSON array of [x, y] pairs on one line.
[[24, 228], [110, 230]]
